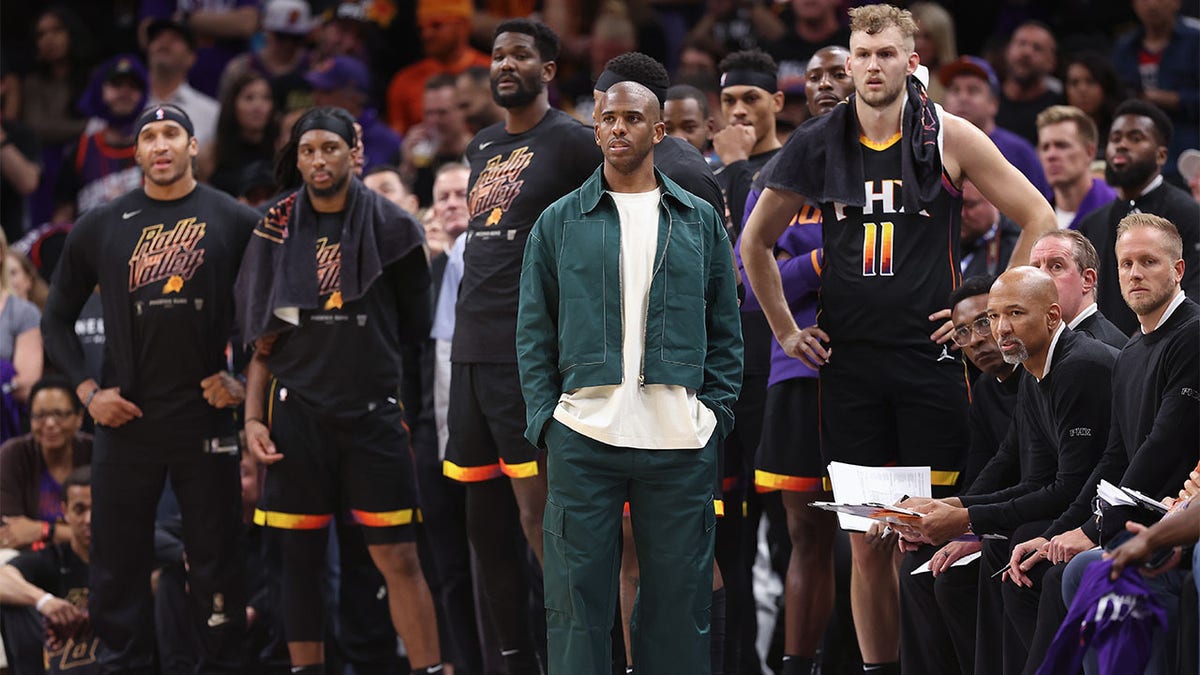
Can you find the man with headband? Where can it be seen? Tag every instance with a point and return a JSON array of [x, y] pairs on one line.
[[630, 355], [165, 257], [886, 172], [334, 290], [518, 168]]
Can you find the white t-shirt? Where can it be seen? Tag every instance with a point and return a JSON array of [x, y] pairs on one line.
[[654, 416]]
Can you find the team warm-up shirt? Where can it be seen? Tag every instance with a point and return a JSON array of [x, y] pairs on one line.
[[166, 271], [347, 355], [513, 179], [56, 569], [683, 163], [885, 270]]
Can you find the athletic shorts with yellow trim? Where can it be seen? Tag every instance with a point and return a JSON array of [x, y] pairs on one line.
[[789, 452], [486, 417], [356, 466]]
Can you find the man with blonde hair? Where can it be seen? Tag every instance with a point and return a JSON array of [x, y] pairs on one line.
[[875, 168], [1066, 145]]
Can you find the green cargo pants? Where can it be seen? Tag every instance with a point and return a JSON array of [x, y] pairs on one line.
[[670, 494]]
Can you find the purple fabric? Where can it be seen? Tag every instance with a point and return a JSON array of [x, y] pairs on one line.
[[1021, 154], [1116, 618], [801, 281], [211, 57], [91, 102], [1100, 194], [49, 498], [381, 145]]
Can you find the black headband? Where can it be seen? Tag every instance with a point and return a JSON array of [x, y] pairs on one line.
[[608, 78], [751, 78], [327, 122], [162, 113]]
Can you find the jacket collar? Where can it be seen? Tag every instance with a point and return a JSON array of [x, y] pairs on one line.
[[593, 189]]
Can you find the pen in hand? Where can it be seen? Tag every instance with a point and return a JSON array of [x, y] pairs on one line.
[[1027, 557]]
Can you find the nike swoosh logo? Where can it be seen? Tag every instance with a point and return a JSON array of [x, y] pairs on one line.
[[129, 214], [485, 144]]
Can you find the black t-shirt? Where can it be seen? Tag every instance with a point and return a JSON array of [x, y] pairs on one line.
[[347, 354], [13, 205], [683, 163], [792, 53], [513, 179], [1020, 117], [166, 271], [56, 569], [885, 270]]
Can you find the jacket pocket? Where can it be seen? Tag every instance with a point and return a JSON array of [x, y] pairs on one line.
[[583, 285], [684, 271], [556, 584]]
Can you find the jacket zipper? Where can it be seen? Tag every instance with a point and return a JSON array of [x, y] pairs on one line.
[[654, 273]]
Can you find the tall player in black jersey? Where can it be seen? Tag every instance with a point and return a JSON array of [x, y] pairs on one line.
[[886, 171], [518, 168], [165, 256]]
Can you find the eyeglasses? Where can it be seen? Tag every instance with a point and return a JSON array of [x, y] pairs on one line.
[[962, 334], [57, 415]]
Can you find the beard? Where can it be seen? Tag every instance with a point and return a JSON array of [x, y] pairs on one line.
[[1016, 358], [1134, 175], [337, 186], [1146, 305], [882, 99], [526, 92]]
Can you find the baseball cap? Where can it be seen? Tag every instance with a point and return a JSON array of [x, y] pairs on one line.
[[338, 72], [290, 17], [973, 66], [157, 26], [1189, 163], [125, 67]]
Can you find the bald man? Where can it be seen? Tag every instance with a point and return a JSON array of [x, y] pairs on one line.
[[630, 360], [1059, 433]]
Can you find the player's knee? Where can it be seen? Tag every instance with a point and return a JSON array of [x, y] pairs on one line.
[[397, 561]]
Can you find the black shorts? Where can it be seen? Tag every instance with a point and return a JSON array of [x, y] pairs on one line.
[[904, 406], [358, 466], [486, 418], [789, 454]]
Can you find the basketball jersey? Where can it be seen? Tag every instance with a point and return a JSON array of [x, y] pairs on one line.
[[886, 270]]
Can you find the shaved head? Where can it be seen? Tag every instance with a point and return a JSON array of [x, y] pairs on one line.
[[1024, 312], [1030, 283]]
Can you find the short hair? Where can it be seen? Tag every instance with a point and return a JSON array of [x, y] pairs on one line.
[[451, 166], [640, 68], [1136, 220], [477, 74], [544, 39], [971, 287], [873, 19], [683, 92], [53, 382], [1034, 23], [80, 476], [391, 168], [1057, 114], [755, 60], [1082, 251], [1140, 108], [440, 81]]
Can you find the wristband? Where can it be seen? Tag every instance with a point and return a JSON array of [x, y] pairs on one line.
[[43, 600], [88, 401], [46, 530]]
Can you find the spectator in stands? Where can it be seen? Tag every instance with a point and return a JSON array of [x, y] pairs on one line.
[[440, 137], [811, 24], [343, 82], [49, 94], [736, 25], [24, 280], [973, 92], [34, 466], [699, 56], [935, 42], [475, 99], [284, 56], [1160, 60], [1066, 145], [222, 28], [1029, 62], [1136, 152], [246, 132], [51, 586], [386, 181], [1189, 168], [988, 237], [100, 167], [1071, 260], [1092, 86], [686, 116], [342, 33], [170, 53], [445, 34], [20, 351], [20, 159]]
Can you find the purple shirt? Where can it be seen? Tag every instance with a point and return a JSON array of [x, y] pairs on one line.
[[1021, 154], [49, 498], [211, 55], [381, 145], [801, 277], [1100, 194]]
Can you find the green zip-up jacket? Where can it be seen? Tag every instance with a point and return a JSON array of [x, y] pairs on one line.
[[569, 328]]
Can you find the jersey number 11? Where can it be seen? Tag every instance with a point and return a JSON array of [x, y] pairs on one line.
[[883, 233]]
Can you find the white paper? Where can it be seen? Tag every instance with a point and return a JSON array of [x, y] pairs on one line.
[[1113, 495], [965, 560], [854, 484]]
